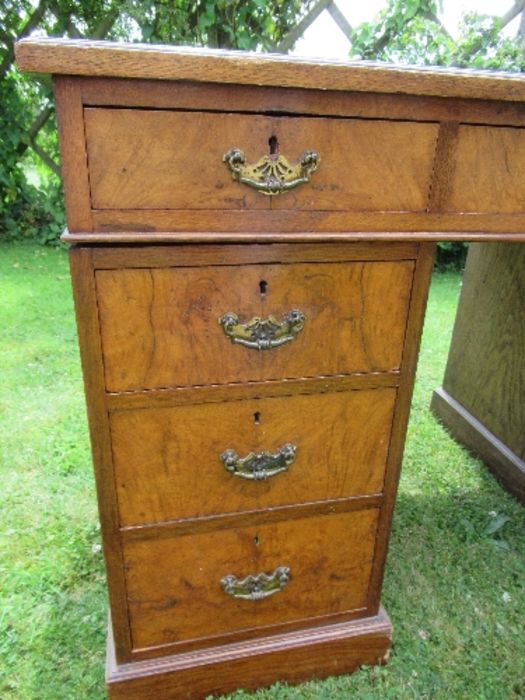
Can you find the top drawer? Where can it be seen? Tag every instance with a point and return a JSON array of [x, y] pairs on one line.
[[169, 160]]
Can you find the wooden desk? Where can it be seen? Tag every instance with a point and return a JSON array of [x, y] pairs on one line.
[[253, 242]]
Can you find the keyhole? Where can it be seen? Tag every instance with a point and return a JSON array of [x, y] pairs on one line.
[[263, 287], [274, 145], [256, 540], [257, 417]]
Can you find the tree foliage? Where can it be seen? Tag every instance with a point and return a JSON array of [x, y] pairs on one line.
[[410, 31]]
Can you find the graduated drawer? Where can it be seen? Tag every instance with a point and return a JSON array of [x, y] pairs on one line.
[[168, 160], [168, 460], [160, 327], [174, 582]]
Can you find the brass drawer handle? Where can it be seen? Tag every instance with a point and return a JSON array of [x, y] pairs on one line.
[[272, 174], [259, 466], [263, 333], [258, 586]]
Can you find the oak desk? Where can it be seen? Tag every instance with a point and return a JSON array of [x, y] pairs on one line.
[[253, 241]]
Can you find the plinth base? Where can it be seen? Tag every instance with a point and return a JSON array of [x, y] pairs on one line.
[[317, 652]]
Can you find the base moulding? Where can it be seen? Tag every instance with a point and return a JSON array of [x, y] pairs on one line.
[[313, 653]]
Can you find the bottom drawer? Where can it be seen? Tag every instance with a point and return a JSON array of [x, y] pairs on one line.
[[174, 582]]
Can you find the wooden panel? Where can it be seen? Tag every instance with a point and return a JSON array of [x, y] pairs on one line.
[[443, 166], [82, 276], [174, 584], [180, 156], [164, 94], [108, 258], [73, 155], [489, 171], [167, 459], [402, 411], [227, 521], [486, 366], [506, 466], [185, 226], [215, 393], [160, 326]]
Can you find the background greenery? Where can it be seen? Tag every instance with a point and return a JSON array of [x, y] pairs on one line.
[[455, 577], [407, 31]]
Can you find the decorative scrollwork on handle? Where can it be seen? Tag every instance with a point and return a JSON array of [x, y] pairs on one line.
[[257, 586], [272, 174], [259, 466], [263, 334]]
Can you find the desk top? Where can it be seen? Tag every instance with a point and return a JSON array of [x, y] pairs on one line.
[[148, 61]]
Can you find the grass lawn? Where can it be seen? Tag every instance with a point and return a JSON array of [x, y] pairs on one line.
[[455, 580]]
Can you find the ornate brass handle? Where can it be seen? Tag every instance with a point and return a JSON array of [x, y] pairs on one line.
[[263, 334], [258, 586], [272, 174], [259, 466]]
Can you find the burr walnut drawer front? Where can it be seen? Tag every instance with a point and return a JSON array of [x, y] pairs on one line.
[[168, 327], [169, 160], [207, 459], [196, 586]]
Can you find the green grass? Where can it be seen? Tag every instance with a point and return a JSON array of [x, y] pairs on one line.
[[455, 577]]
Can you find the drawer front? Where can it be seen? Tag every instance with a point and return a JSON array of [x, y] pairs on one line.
[[365, 165], [168, 461], [489, 171], [174, 583], [160, 327]]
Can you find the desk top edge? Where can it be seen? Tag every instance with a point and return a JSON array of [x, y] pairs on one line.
[[155, 62]]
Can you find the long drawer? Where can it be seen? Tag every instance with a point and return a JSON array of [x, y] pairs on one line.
[[169, 327], [208, 459], [190, 587], [162, 160]]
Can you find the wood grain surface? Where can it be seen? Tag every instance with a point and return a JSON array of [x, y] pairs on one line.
[[216, 393], [228, 521], [489, 171], [164, 457], [128, 257], [486, 364], [316, 652], [482, 401], [190, 95], [73, 156], [83, 282], [160, 327], [180, 156], [174, 590], [92, 58], [484, 228], [505, 464], [416, 316]]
